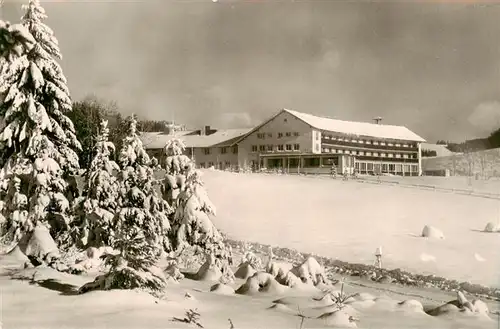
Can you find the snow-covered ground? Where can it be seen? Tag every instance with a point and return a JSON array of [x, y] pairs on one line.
[[456, 182], [44, 298], [349, 220]]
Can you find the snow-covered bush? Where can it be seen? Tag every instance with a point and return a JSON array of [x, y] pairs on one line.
[[38, 141], [140, 225], [96, 208]]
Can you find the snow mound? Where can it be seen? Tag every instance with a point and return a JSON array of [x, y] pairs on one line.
[[411, 304], [310, 271], [222, 289], [323, 301], [492, 228], [282, 308], [261, 282], [245, 270], [460, 306], [39, 244], [432, 232], [338, 319], [292, 281], [480, 306], [209, 271], [362, 304], [362, 296], [479, 258]]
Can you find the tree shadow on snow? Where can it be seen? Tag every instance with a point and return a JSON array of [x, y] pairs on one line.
[[64, 289], [190, 275]]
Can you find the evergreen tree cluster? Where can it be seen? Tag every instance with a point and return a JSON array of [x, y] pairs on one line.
[[122, 205]]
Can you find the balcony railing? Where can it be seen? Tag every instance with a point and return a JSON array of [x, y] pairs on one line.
[[375, 145], [367, 147], [385, 159]]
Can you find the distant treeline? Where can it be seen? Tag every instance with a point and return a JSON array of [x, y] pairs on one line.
[[87, 115], [473, 145]]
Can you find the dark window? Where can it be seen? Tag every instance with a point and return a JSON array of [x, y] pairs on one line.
[[288, 147], [311, 162], [330, 161], [296, 147]]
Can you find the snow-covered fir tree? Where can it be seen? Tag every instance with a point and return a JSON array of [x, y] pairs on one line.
[[14, 41], [38, 141], [140, 225], [177, 167], [96, 208], [191, 224]]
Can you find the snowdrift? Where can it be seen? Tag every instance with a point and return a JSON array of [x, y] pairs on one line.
[[261, 282], [432, 232]]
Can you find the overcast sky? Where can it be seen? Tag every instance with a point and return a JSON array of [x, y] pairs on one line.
[[434, 68]]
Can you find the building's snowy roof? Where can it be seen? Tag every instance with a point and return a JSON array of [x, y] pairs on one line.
[[223, 137], [440, 150], [358, 128], [152, 138]]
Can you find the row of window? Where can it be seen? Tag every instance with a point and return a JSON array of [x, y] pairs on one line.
[[386, 167], [221, 165], [366, 141], [373, 154], [271, 148], [223, 150], [280, 135]]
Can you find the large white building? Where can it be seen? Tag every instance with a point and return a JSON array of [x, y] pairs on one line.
[[300, 142]]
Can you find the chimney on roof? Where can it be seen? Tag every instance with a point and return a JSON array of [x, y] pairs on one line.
[[168, 129], [377, 120], [207, 130]]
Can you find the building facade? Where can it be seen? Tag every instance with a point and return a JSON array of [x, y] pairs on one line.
[[299, 142], [207, 147]]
